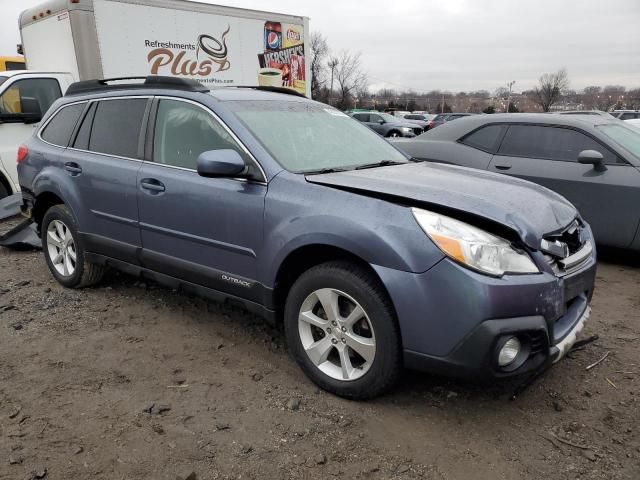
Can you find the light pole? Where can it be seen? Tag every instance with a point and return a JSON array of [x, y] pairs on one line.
[[333, 63], [510, 85]]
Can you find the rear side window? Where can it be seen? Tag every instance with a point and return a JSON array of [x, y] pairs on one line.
[[363, 117], [551, 143], [59, 129], [628, 116], [183, 131], [486, 138], [14, 65], [116, 127]]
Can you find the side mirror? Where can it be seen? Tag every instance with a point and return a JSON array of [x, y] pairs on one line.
[[381, 122], [31, 111], [221, 163], [592, 157]]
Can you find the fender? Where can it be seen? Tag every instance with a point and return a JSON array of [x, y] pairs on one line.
[[393, 240], [57, 182]]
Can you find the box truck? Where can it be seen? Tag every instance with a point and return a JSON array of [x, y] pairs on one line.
[[69, 40]]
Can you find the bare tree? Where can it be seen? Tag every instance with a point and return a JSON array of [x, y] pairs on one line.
[[350, 76], [550, 87], [319, 52]]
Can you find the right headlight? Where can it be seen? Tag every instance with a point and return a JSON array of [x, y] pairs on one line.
[[472, 246]]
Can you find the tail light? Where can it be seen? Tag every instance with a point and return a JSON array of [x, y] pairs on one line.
[[23, 151], [429, 125]]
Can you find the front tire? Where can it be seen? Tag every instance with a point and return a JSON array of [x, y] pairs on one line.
[[341, 330], [64, 252], [393, 134]]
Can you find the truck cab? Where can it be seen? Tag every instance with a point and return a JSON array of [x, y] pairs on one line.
[[25, 96]]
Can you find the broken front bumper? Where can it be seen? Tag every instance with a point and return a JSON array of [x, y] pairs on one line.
[[15, 230]]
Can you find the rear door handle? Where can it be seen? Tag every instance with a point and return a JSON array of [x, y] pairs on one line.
[[502, 164], [152, 185], [73, 168]]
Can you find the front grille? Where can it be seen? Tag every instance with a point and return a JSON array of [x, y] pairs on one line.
[[568, 250]]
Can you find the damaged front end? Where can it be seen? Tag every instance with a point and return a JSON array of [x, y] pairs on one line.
[[16, 231]]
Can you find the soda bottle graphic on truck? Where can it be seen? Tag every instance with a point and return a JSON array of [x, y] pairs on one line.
[[282, 62]]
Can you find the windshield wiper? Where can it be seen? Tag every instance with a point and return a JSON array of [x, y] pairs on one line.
[[325, 170], [417, 160], [383, 163]]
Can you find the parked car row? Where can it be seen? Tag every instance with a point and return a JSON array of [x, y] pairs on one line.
[[592, 160], [388, 125], [372, 259]]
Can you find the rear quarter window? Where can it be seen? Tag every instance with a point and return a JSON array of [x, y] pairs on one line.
[[486, 138], [59, 129]]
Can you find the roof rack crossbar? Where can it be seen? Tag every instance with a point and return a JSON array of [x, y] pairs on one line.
[[150, 81]]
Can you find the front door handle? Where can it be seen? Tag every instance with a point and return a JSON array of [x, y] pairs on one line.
[[502, 164], [73, 168], [153, 185]]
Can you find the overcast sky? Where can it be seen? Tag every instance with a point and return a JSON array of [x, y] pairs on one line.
[[459, 44]]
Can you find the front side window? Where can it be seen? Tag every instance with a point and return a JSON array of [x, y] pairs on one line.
[[309, 137], [116, 127], [551, 143], [183, 131], [363, 117], [43, 90], [59, 128]]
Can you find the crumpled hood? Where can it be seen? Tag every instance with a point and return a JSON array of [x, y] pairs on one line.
[[531, 210]]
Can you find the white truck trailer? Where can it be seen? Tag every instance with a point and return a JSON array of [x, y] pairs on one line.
[[69, 40]]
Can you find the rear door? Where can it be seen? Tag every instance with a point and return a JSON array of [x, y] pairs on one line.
[[208, 231], [548, 155], [103, 163]]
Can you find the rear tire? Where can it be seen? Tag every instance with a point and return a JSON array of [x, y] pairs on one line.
[[64, 252], [352, 353]]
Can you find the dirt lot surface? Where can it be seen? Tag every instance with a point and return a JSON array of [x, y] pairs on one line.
[[132, 381]]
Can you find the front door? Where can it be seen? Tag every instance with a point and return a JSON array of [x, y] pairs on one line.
[[208, 231], [548, 156], [14, 133]]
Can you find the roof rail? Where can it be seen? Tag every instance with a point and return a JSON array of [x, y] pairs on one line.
[[151, 81], [285, 90]]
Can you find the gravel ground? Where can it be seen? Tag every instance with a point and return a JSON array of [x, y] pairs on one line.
[[132, 381]]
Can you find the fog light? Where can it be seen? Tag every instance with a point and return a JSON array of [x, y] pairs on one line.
[[509, 351]]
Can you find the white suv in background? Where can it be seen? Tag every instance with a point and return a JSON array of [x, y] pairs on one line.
[[24, 97]]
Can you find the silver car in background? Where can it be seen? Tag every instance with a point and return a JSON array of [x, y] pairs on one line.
[[591, 160]]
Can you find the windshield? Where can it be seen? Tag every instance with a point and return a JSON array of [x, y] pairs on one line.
[[307, 137], [389, 118], [625, 137]]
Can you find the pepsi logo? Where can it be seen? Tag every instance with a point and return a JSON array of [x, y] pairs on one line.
[[273, 40]]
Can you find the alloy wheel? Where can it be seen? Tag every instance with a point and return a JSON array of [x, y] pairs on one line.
[[61, 248], [336, 334]]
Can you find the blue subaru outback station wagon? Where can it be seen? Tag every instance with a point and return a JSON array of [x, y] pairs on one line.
[[372, 261]]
